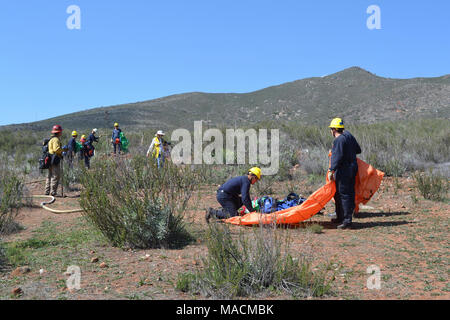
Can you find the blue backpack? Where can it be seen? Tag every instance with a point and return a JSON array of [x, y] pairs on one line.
[[267, 204], [290, 201]]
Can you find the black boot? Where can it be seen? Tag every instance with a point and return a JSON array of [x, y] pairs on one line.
[[208, 214], [336, 220], [345, 226]]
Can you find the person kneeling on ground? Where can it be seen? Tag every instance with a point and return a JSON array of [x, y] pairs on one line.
[[233, 194]]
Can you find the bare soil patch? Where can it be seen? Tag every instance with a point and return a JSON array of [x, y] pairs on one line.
[[404, 234]]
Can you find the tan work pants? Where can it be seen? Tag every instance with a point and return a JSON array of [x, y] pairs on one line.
[[54, 174]]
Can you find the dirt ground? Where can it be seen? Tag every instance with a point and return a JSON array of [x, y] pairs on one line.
[[403, 234]]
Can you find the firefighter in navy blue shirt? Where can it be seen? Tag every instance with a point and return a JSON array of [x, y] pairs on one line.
[[86, 151], [233, 194], [115, 138], [92, 138], [72, 148], [343, 170]]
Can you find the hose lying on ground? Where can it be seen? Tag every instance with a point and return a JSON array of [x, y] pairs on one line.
[[52, 199], [45, 203]]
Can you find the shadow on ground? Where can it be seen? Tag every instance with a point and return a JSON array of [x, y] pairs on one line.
[[359, 225], [363, 215], [355, 225]]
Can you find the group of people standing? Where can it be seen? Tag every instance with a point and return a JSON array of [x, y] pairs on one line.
[[57, 152], [85, 148], [159, 149]]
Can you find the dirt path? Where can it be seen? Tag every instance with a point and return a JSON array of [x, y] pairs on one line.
[[406, 238]]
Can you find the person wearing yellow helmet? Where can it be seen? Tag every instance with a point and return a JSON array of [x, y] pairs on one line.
[[233, 194], [343, 169], [72, 148], [87, 151], [116, 139]]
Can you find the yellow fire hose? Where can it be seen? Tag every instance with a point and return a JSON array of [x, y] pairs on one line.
[[52, 199]]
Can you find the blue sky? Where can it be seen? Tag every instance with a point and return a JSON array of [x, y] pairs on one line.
[[128, 51]]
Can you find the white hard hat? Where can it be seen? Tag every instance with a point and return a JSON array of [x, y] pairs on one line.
[[94, 130], [160, 132]]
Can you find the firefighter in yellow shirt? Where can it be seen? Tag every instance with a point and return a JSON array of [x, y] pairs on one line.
[[54, 171]]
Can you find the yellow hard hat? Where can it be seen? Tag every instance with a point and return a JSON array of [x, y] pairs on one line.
[[116, 124], [74, 133], [337, 123], [83, 137], [256, 171]]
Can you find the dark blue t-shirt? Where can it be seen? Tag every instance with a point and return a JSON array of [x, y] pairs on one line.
[[92, 138], [344, 151], [239, 186], [116, 134], [72, 143]]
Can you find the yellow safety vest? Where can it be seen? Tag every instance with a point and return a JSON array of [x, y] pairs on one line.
[[156, 147]]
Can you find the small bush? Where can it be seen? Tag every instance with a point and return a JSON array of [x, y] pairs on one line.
[[72, 176], [253, 264], [3, 260], [314, 228], [431, 186], [184, 282], [135, 204], [15, 255], [11, 196]]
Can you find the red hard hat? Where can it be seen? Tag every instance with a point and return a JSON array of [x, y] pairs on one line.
[[57, 129], [117, 140]]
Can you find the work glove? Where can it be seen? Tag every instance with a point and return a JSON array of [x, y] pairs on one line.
[[330, 175]]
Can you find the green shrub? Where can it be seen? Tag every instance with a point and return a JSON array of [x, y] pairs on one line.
[[184, 282], [3, 260], [314, 228], [252, 264], [11, 198], [72, 176], [388, 146], [136, 205], [432, 186], [265, 186]]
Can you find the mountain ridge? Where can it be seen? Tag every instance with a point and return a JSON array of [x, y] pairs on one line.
[[355, 94]]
